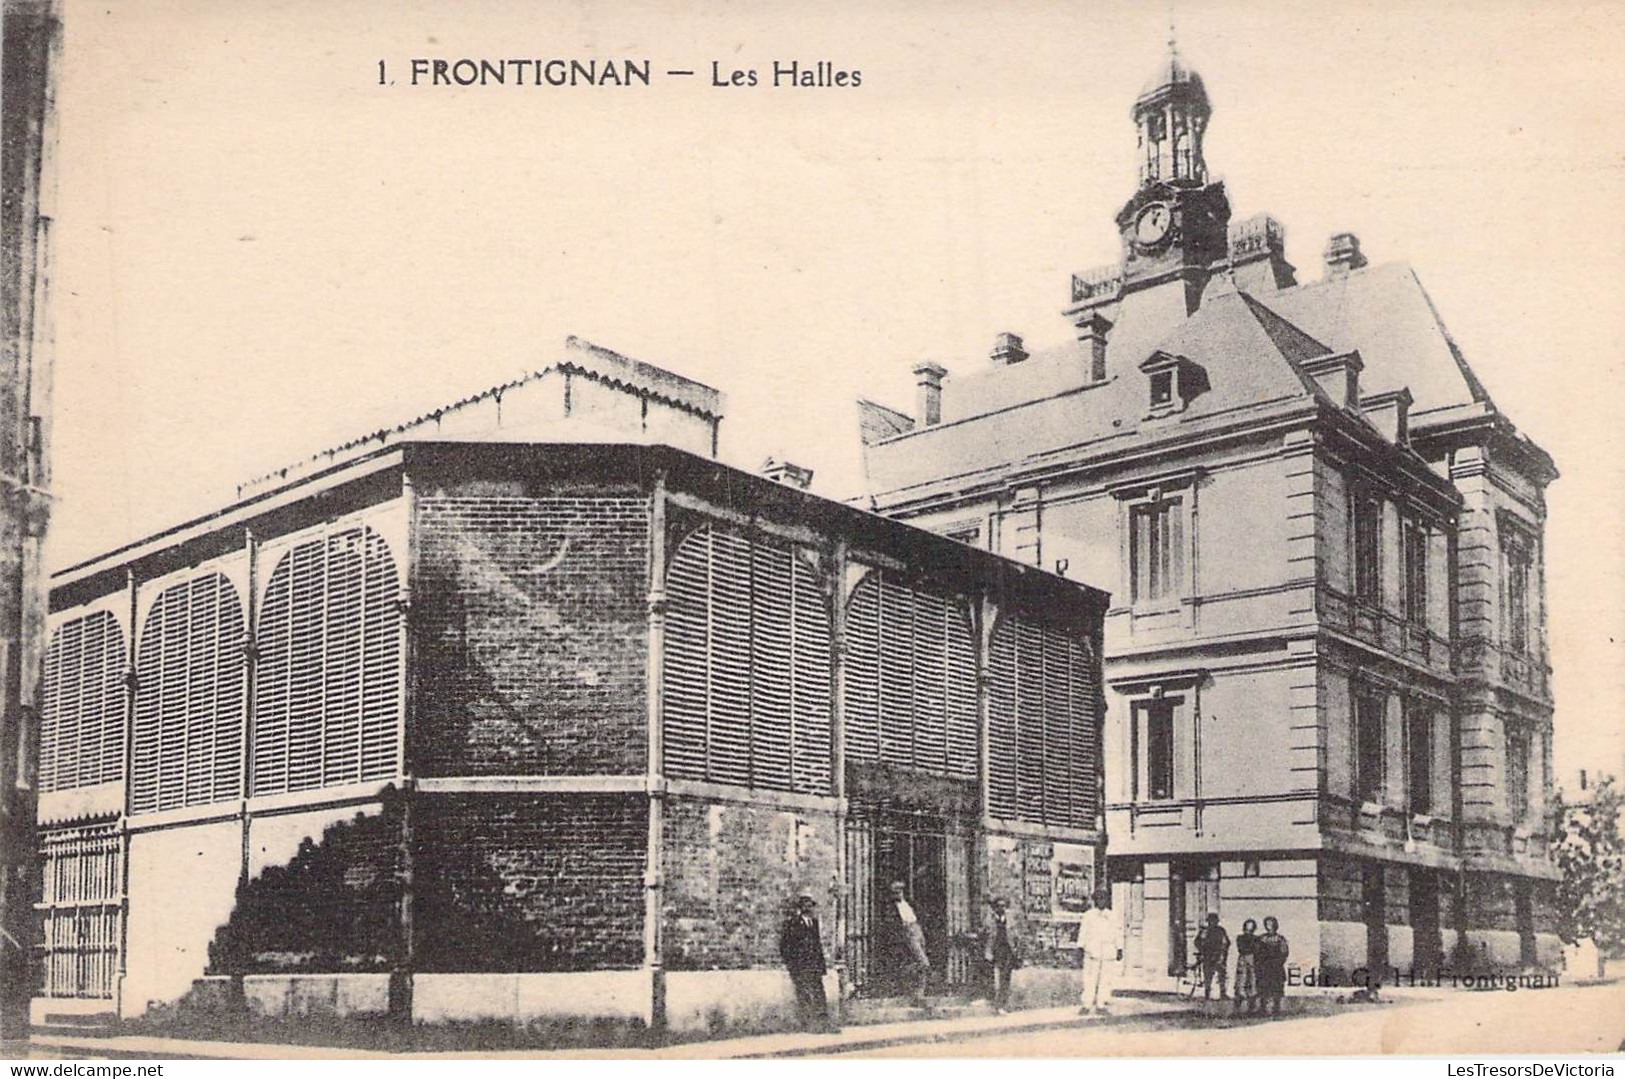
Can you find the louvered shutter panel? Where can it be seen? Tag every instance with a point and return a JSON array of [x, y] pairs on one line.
[[1001, 723], [146, 725], [341, 663], [273, 682], [172, 679], [74, 746], [328, 681], [1030, 689], [930, 664], [108, 675], [82, 704], [1059, 711], [1044, 705], [911, 694], [230, 713], [811, 629], [196, 786], [861, 690], [381, 661], [730, 659], [306, 666], [961, 696], [772, 666], [685, 699], [188, 719], [747, 666], [896, 675]]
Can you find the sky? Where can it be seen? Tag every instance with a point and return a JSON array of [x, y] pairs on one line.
[[262, 251]]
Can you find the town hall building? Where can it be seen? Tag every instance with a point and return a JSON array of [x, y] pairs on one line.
[[1326, 657]]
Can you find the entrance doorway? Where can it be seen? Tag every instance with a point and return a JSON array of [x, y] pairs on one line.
[[1193, 894], [1374, 900], [932, 857], [1524, 904], [1427, 946]]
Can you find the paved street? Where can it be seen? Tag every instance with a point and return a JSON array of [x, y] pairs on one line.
[[1566, 1020]]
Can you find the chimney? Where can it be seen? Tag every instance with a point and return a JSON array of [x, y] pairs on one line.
[[784, 472], [1390, 413], [1343, 254], [1007, 349], [928, 378], [1092, 330], [1338, 376], [1258, 256]]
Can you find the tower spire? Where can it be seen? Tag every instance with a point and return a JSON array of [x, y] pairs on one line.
[[1171, 116]]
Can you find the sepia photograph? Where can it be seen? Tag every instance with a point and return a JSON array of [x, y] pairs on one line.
[[689, 531]]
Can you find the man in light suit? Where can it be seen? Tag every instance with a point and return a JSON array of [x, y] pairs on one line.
[[1101, 939]]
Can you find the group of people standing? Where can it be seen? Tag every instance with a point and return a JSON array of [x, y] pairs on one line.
[[1260, 979], [1260, 964]]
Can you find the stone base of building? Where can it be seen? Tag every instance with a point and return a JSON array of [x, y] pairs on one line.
[[601, 1008], [1350, 922]]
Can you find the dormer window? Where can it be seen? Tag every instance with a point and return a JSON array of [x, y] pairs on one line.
[[1171, 382], [1162, 389]]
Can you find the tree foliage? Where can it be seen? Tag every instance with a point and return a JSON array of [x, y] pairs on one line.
[[1589, 851]]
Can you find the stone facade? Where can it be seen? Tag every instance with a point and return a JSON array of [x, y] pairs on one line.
[[1329, 690]]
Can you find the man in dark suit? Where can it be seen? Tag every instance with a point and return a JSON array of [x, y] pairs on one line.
[[802, 946], [1000, 951]]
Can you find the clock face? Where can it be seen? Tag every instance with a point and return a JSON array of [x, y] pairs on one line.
[[1152, 224]]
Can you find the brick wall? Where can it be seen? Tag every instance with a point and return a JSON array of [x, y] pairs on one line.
[[532, 629], [333, 908], [530, 882], [731, 870]]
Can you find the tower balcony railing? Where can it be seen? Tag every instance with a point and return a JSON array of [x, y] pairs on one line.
[[1258, 235], [1099, 283]]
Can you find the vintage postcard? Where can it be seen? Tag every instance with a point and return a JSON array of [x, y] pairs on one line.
[[867, 529]]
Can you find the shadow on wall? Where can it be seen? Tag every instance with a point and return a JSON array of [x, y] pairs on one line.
[[332, 909]]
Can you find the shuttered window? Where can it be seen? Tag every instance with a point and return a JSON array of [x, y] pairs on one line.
[[1043, 725], [910, 686], [746, 694], [186, 736], [82, 704], [327, 683]]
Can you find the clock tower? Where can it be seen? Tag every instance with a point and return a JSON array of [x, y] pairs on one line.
[[1175, 227]]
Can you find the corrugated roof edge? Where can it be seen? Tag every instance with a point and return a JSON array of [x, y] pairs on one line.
[[669, 458], [582, 355]]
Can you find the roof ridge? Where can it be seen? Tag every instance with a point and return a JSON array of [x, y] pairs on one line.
[[1474, 386], [1291, 340]]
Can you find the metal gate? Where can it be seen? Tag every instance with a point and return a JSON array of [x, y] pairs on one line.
[[934, 857]]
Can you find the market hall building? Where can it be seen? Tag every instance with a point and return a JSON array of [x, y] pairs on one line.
[[1326, 658], [531, 713]]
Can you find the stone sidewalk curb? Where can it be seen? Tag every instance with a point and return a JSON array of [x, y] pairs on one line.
[[952, 1034], [850, 1040]]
